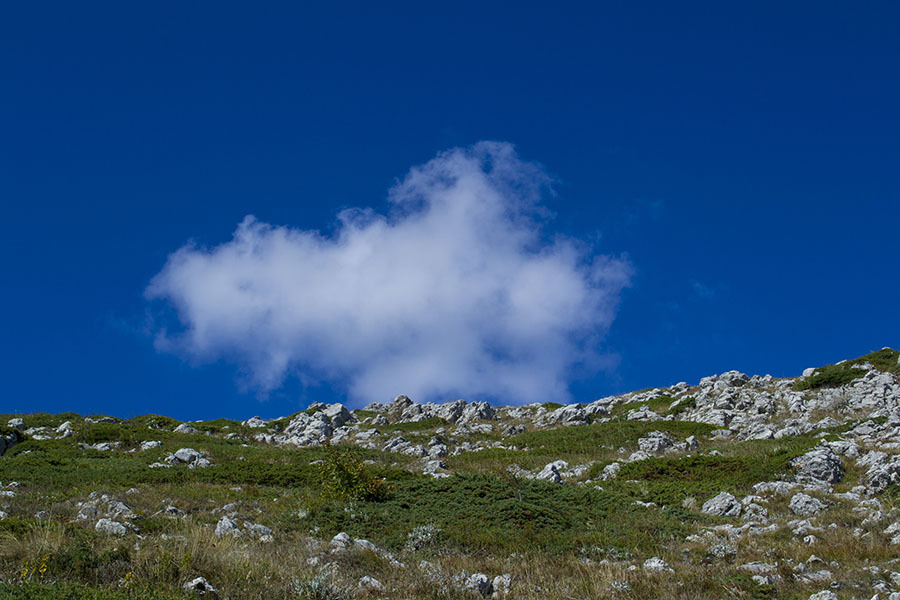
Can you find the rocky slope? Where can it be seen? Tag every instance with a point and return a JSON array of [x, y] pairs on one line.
[[737, 486]]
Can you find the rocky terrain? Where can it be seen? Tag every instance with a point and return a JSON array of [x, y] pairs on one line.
[[736, 486]]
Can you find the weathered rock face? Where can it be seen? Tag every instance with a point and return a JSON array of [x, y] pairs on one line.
[[573, 414], [819, 465]]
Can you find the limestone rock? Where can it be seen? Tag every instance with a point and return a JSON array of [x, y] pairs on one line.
[[480, 583], [805, 505], [370, 584], [819, 465], [657, 565], [723, 505], [199, 586], [227, 527], [110, 527]]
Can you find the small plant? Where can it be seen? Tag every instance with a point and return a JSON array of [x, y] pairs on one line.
[[345, 475], [34, 569], [318, 588], [422, 536]]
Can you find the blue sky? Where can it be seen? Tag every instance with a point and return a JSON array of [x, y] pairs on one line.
[[741, 160]]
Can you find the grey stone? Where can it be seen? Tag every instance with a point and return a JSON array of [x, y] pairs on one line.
[[185, 428], [821, 464], [723, 505], [110, 527], [227, 527], [657, 565], [824, 595], [501, 585], [655, 442], [199, 586], [370, 584], [551, 471], [480, 583], [805, 505]]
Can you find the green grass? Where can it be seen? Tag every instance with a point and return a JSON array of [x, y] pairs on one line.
[[483, 513], [597, 443], [659, 405], [670, 480], [42, 419], [486, 519], [9, 431], [831, 376], [884, 360], [571, 441], [61, 465], [74, 591], [155, 422]]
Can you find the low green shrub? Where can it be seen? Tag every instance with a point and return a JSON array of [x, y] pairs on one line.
[[830, 376], [345, 475]]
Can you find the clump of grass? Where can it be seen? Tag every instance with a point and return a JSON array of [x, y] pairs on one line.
[[885, 360], [155, 422], [685, 405], [659, 405], [830, 376]]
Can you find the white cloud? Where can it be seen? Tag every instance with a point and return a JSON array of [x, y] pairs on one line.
[[459, 292]]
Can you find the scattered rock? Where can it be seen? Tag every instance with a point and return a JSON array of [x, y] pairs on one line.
[[819, 465], [805, 505], [824, 595], [656, 442], [199, 586], [657, 565], [551, 471], [110, 527], [370, 584], [501, 585], [723, 505], [227, 527], [480, 583], [185, 428]]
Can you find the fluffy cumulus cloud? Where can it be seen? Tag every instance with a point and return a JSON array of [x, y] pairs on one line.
[[459, 292]]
